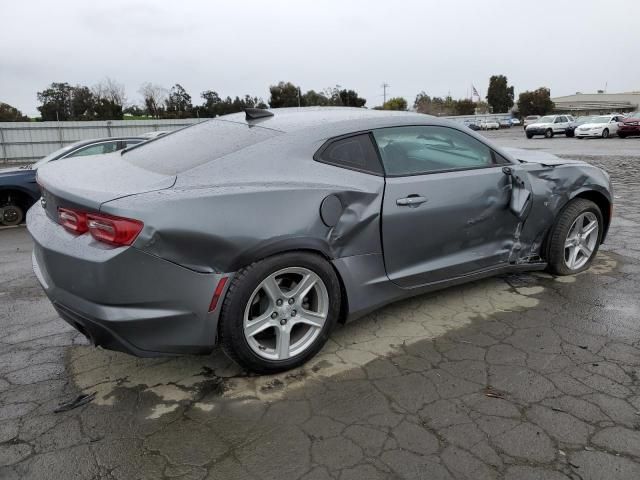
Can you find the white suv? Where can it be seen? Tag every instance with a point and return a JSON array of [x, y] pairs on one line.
[[549, 125]]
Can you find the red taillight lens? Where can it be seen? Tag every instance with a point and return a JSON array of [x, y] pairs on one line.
[[72, 220], [217, 294], [113, 230]]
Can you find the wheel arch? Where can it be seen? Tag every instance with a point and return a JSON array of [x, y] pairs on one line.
[[603, 203], [26, 199], [286, 245]]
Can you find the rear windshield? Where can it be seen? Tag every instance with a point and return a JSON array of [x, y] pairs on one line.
[[195, 146]]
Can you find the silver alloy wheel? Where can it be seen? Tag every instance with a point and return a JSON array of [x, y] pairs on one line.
[[286, 313], [581, 240]]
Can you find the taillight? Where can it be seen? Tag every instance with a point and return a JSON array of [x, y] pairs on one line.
[[72, 220], [217, 293], [113, 230]]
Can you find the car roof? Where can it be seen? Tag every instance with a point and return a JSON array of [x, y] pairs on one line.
[[295, 119]]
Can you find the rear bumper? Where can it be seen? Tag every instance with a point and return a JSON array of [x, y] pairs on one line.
[[122, 298]]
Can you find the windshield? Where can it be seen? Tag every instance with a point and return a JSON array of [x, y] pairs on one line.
[[583, 120], [547, 119], [634, 115], [601, 119], [532, 117]]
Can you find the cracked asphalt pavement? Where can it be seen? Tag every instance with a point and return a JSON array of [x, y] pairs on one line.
[[518, 377]]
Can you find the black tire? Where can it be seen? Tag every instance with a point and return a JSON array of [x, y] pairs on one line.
[[11, 215], [569, 134], [240, 292], [605, 133], [556, 240], [529, 135], [580, 138], [548, 133], [622, 135]]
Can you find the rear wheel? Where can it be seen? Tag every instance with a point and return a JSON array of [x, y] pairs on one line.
[[605, 133], [11, 215], [575, 238], [278, 312], [548, 133], [622, 135], [529, 135], [569, 133]]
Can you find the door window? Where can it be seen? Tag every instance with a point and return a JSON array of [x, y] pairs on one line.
[[355, 153], [426, 149]]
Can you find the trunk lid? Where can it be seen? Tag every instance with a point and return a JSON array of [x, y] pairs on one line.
[[88, 182]]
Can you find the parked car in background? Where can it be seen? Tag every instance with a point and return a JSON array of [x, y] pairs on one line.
[[549, 125], [629, 125], [504, 123], [573, 125], [528, 120], [473, 126], [489, 124], [191, 239], [599, 126], [18, 188], [515, 121]]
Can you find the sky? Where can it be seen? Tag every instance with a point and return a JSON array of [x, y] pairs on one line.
[[237, 47]]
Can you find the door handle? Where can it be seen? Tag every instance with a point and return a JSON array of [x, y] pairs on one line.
[[410, 201]]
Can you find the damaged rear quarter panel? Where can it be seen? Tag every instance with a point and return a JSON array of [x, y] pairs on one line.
[[208, 225]]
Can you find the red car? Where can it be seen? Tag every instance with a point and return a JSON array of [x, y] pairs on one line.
[[629, 125]]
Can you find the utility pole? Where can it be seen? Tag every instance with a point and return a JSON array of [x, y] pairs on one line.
[[384, 86]]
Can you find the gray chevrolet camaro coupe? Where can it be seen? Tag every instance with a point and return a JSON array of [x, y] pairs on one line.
[[261, 230]]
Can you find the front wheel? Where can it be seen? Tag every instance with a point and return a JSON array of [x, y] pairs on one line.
[[278, 312], [569, 134], [575, 238], [548, 133], [529, 135], [605, 133], [622, 135]]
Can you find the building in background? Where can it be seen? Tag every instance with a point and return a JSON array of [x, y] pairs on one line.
[[597, 103]]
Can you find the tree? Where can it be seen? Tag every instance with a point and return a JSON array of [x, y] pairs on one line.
[[284, 94], [56, 102], [110, 90], [537, 102], [396, 103], [109, 98], [314, 99], [499, 95], [11, 114], [350, 98], [83, 103], [154, 96], [465, 107], [178, 103], [214, 106]]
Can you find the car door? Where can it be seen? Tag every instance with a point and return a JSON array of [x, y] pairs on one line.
[[613, 124], [447, 208], [560, 124]]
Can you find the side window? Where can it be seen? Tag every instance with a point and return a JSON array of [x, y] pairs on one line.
[[131, 142], [558, 120], [97, 149], [356, 153], [420, 149]]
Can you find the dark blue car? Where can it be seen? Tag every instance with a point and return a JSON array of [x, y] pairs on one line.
[[18, 188]]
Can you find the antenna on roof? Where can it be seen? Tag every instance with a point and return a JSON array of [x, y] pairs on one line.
[[255, 113]]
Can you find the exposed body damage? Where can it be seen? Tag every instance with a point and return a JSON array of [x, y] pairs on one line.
[[217, 217]]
